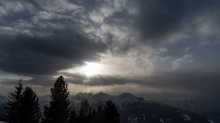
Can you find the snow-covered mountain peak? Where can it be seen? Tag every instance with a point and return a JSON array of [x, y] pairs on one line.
[[124, 99], [100, 97], [100, 94], [126, 95]]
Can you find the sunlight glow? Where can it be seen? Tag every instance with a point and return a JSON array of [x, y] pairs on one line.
[[91, 68]]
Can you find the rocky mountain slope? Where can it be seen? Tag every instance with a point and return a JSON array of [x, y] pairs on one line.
[[138, 110], [205, 108]]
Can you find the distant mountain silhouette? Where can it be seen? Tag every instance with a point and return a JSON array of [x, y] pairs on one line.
[[136, 109], [201, 107]]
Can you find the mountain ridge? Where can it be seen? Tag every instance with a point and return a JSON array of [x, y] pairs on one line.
[[134, 109]]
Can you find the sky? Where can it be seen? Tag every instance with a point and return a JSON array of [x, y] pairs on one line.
[[155, 49]]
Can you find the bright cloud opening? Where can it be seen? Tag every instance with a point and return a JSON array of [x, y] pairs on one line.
[[91, 68]]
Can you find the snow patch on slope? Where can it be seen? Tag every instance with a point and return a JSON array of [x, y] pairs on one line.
[[126, 98], [211, 121], [161, 120], [100, 97], [133, 120], [187, 118]]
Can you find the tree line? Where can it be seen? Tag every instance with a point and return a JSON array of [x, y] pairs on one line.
[[23, 107]]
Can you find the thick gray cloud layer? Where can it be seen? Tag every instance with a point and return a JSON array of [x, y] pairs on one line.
[[169, 41], [174, 85], [43, 42]]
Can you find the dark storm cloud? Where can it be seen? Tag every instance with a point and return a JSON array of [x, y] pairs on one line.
[[38, 38], [49, 45], [96, 80], [77, 79], [156, 22], [201, 85], [24, 54], [174, 85], [158, 19], [52, 37], [39, 80], [43, 81]]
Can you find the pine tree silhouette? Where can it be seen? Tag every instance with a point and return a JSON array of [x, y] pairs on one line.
[[111, 113], [99, 116], [84, 112], [30, 107], [58, 111], [93, 113], [13, 107], [73, 118], [90, 114], [92, 119]]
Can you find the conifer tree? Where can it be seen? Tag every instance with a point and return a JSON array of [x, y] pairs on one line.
[[90, 113], [85, 106], [99, 116], [13, 106], [73, 118], [93, 112], [111, 113], [58, 111], [30, 107], [84, 111], [92, 119]]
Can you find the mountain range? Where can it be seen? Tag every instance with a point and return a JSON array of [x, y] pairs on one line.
[[132, 109], [204, 108]]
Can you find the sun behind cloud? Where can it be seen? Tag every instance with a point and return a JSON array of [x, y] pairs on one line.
[[91, 68]]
